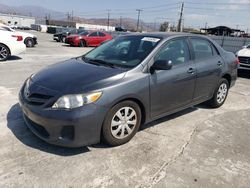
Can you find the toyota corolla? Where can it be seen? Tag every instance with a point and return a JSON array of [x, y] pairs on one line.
[[108, 93]]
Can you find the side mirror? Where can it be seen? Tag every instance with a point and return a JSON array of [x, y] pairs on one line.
[[162, 65]]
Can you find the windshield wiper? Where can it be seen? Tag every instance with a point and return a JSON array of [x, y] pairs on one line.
[[101, 62]]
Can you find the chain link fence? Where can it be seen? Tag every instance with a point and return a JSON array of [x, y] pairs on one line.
[[231, 44]]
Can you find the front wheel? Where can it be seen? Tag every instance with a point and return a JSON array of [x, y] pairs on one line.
[[29, 43], [121, 123], [220, 94], [82, 43], [4, 52]]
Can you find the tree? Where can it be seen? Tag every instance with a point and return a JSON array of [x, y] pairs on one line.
[[164, 26]]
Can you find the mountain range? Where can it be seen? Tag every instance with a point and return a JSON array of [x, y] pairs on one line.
[[40, 13]]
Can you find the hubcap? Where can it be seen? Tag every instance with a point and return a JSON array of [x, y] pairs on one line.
[[222, 93], [123, 122], [3, 52]]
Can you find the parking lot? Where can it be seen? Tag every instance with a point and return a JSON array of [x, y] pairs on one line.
[[197, 147]]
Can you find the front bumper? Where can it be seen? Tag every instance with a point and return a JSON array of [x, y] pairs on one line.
[[72, 128]]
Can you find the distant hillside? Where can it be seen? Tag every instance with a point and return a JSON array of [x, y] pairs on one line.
[[41, 13]]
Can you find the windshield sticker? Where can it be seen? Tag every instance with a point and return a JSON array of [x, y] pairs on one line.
[[150, 39]]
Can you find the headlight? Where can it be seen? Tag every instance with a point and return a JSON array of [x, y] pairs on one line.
[[74, 101]]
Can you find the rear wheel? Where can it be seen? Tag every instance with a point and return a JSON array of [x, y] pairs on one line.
[[4, 52], [220, 94], [82, 43], [121, 123], [29, 42]]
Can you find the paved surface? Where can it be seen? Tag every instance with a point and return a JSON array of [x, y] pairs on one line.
[[198, 147]]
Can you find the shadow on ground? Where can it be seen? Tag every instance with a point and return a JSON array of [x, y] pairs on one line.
[[17, 125], [14, 58]]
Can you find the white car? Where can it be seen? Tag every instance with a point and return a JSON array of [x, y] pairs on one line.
[[11, 44], [244, 57], [29, 39]]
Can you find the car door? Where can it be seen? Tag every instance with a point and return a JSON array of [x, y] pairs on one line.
[[93, 39], [209, 66], [174, 88], [102, 37]]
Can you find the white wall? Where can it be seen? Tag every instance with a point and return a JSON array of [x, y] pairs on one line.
[[95, 27], [17, 20]]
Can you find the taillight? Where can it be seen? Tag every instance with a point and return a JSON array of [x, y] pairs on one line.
[[18, 37], [237, 61]]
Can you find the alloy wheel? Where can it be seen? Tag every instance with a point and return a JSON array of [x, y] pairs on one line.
[[222, 93], [123, 122], [4, 53]]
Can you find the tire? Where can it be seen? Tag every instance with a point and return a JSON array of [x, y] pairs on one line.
[[29, 42], [220, 94], [4, 52], [62, 39], [82, 43], [116, 130]]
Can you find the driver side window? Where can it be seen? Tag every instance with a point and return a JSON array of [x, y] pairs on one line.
[[176, 51]]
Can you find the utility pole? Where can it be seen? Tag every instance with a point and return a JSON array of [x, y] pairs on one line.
[[72, 16], [108, 18], [179, 27], [138, 19], [120, 21], [68, 17]]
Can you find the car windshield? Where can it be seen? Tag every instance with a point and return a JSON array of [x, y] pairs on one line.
[[124, 51], [248, 46]]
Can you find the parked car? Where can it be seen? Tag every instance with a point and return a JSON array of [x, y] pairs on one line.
[[132, 80], [10, 44], [29, 39], [84, 39], [120, 29], [61, 36], [244, 57]]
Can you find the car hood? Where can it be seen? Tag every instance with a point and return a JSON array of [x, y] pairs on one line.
[[74, 76], [244, 52]]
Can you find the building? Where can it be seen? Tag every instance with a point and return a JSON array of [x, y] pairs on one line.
[[77, 25], [17, 20], [222, 31]]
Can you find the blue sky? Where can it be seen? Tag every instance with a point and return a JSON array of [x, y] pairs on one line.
[[232, 13]]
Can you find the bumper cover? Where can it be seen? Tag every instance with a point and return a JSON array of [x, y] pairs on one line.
[[75, 128]]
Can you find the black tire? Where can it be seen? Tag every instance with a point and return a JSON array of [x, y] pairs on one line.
[[29, 42], [215, 102], [62, 39], [4, 52], [107, 135], [82, 43]]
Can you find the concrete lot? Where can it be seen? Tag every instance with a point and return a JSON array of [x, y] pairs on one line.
[[198, 147]]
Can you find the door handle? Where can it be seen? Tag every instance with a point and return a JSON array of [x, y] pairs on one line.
[[219, 63], [191, 71]]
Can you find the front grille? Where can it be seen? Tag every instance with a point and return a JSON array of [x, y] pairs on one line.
[[38, 128], [244, 60], [36, 98]]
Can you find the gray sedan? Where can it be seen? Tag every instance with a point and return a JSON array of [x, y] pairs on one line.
[[111, 91]]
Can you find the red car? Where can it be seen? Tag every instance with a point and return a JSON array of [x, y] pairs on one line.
[[88, 38]]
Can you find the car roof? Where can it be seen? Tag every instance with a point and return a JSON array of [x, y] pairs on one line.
[[164, 35]]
